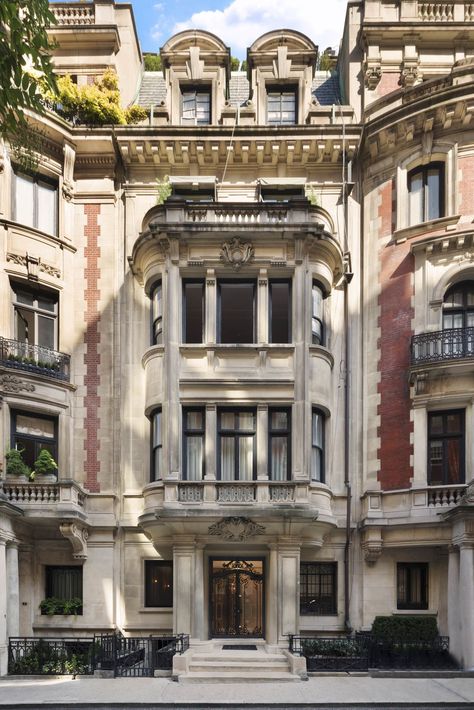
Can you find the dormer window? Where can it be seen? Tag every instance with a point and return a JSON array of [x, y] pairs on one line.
[[281, 106], [196, 106]]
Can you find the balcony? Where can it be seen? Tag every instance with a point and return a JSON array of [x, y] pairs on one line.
[[35, 359], [61, 499], [418, 504], [442, 346]]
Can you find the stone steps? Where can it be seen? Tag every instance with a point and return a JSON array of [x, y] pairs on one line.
[[221, 666]]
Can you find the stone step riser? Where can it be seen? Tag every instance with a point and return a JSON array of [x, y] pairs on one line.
[[251, 670]]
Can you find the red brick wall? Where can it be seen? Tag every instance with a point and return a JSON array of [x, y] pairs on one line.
[[396, 313], [466, 193], [92, 342]]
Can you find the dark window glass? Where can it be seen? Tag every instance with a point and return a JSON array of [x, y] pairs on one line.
[[157, 314], [35, 202], [458, 310], [317, 329], [412, 585], [156, 446], [445, 448], [193, 443], [35, 317], [237, 312], [318, 588], [280, 312], [236, 444], [426, 193], [64, 583], [158, 583], [279, 433], [317, 446], [196, 107], [281, 106], [31, 433], [193, 311]]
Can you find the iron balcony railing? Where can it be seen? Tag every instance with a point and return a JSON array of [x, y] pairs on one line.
[[34, 358], [442, 345]]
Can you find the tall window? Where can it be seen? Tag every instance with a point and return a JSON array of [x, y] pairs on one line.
[[412, 585], [280, 311], [279, 433], [31, 433], [281, 106], [196, 107], [458, 306], [35, 202], [236, 304], [36, 316], [426, 193], [193, 311], [64, 582], [157, 314], [318, 588], [317, 328], [156, 445], [317, 446], [446, 447], [236, 444], [193, 443], [158, 583]]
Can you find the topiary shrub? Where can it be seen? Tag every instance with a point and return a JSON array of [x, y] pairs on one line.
[[405, 628], [15, 464], [45, 465]]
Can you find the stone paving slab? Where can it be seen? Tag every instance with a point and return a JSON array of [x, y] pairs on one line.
[[321, 693]]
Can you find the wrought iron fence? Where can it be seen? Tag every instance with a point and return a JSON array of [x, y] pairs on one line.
[[50, 656], [331, 654], [449, 344], [137, 656], [34, 358], [389, 654]]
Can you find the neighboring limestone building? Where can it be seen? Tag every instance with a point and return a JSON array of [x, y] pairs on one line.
[[244, 329]]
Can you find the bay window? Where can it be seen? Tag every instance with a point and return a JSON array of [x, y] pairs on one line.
[[236, 444]]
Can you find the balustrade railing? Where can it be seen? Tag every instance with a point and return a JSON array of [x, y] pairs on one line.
[[436, 11], [72, 14], [469, 12], [442, 496], [34, 358], [235, 493], [42, 493], [441, 345]]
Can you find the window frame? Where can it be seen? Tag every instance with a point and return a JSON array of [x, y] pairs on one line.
[[187, 282], [251, 282], [198, 89], [236, 433], [408, 567], [153, 447], [424, 170], [158, 564], [52, 443], [445, 437], [49, 589], [464, 287], [281, 89], [36, 179], [289, 339], [319, 318], [332, 608], [186, 432], [273, 433], [36, 293], [156, 335], [321, 449]]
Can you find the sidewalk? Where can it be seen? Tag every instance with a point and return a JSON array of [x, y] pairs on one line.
[[318, 692]]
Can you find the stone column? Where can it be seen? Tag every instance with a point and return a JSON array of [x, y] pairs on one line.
[[288, 589], [183, 587], [3, 610], [271, 622], [198, 631], [13, 590], [453, 602], [466, 603], [210, 328]]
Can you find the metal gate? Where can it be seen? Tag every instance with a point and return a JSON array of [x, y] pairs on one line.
[[138, 656]]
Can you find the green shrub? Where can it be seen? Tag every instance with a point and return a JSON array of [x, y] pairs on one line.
[[53, 605], [341, 648], [15, 464], [45, 464], [152, 62], [405, 628]]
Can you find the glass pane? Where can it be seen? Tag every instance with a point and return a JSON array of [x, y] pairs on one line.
[[189, 105], [46, 332], [157, 302], [47, 208], [279, 420], [47, 304], [227, 458], [24, 200], [434, 186], [402, 589], [246, 458], [317, 302], [35, 426], [65, 583], [470, 295], [246, 421], [158, 583], [454, 423], [453, 451], [317, 436], [227, 420], [28, 449], [415, 586], [24, 297], [203, 106], [157, 429], [194, 454], [195, 420], [436, 463], [415, 188], [193, 312], [236, 312], [317, 331], [279, 454], [280, 312], [436, 423], [25, 326], [158, 463], [316, 464]]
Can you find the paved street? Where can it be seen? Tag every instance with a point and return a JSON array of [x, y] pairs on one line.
[[322, 693]]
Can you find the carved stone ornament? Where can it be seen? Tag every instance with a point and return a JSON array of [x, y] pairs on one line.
[[372, 76], [33, 265], [236, 529], [236, 254], [409, 76], [77, 536], [11, 383], [468, 496]]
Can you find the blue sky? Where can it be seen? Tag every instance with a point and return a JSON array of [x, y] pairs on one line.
[[239, 22]]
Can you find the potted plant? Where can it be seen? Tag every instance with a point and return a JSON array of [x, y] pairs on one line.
[[45, 466], [53, 605], [16, 467]]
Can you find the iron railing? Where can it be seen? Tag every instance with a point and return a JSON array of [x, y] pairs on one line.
[[137, 656], [50, 656], [331, 654], [34, 358], [441, 345]]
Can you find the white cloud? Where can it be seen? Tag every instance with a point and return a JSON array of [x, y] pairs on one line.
[[242, 21]]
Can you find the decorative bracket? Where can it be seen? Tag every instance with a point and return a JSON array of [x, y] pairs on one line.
[[372, 545], [372, 74], [77, 536]]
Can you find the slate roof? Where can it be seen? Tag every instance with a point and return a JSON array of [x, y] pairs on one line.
[[153, 89]]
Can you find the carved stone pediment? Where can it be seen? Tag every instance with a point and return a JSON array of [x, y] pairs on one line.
[[236, 254], [236, 529]]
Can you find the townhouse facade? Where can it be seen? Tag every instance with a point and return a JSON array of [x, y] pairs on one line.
[[244, 329]]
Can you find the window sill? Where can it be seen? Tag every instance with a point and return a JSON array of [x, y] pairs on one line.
[[402, 235], [156, 610], [233, 346], [415, 612]]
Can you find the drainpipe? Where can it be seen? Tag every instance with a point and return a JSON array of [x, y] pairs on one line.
[[347, 482]]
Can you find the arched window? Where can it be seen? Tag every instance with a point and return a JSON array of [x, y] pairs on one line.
[[458, 306]]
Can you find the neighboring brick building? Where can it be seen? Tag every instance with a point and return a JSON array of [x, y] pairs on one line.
[[216, 372]]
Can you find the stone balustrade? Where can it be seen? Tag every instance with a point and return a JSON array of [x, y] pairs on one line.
[[42, 494], [436, 11], [414, 502], [74, 14]]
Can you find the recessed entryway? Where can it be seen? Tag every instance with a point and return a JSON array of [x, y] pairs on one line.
[[236, 604]]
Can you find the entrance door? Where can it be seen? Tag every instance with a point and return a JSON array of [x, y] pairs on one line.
[[236, 597]]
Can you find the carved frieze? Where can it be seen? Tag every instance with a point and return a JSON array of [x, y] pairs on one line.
[[33, 265], [236, 529], [11, 383], [236, 254], [236, 494]]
